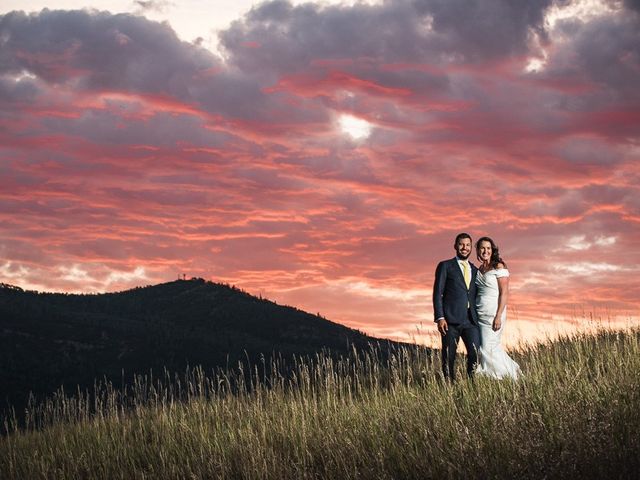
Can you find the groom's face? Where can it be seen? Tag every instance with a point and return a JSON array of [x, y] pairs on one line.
[[463, 248]]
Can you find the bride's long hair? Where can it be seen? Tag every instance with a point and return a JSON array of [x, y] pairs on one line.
[[495, 252]]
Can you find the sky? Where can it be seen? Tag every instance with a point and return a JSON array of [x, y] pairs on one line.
[[325, 155]]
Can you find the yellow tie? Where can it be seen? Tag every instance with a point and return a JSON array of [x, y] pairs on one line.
[[467, 274]]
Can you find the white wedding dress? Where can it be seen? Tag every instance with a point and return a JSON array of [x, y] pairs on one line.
[[493, 360]]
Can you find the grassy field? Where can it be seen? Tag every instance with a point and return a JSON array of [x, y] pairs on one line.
[[574, 414]]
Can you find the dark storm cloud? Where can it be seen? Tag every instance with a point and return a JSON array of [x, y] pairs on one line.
[[485, 30], [98, 51], [604, 52], [633, 5], [153, 5], [277, 35], [448, 56]]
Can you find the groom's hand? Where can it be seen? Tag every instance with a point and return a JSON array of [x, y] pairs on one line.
[[442, 326]]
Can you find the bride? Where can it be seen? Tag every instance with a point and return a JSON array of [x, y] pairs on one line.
[[492, 283]]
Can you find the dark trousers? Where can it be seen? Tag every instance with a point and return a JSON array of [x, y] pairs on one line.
[[471, 337]]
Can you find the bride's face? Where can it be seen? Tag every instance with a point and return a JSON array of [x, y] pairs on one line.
[[484, 251]]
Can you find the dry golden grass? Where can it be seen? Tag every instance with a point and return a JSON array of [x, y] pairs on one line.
[[573, 414]]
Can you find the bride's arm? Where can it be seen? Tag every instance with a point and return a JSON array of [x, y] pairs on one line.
[[503, 295]]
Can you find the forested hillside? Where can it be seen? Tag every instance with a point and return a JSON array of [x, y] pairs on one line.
[[53, 339]]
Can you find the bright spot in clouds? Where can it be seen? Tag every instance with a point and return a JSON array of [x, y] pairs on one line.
[[585, 268], [580, 242], [355, 127], [138, 274], [579, 10], [535, 65], [605, 241]]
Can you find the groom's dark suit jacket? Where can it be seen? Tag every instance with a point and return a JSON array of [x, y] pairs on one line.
[[450, 294]]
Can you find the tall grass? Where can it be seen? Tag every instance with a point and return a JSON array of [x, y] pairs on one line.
[[573, 414]]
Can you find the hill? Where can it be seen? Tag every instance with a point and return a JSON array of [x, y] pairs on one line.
[[53, 339]]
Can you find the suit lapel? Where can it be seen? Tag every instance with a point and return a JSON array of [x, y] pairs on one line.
[[459, 274]]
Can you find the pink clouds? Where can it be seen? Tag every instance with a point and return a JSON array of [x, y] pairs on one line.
[[129, 157]]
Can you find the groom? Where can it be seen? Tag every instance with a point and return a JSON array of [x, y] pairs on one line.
[[454, 307]]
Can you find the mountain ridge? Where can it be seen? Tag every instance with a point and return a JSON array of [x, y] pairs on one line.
[[52, 339]]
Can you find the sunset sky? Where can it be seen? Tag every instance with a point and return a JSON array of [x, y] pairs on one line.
[[325, 155]]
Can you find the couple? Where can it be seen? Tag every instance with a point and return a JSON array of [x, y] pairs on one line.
[[471, 303]]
